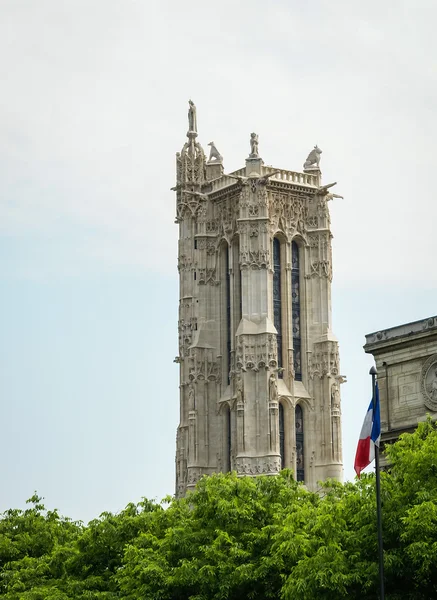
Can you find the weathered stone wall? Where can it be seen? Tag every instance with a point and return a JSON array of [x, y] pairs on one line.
[[406, 361]]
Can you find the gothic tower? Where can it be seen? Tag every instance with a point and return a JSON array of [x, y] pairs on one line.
[[259, 365]]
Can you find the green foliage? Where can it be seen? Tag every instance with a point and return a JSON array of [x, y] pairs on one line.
[[216, 543], [234, 538]]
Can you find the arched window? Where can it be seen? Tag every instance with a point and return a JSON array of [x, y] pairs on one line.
[[277, 309], [300, 468], [227, 444], [295, 311], [281, 435]]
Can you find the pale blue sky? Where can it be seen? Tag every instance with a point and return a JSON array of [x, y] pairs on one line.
[[92, 112]]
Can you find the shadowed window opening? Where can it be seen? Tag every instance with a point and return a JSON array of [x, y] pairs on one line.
[[227, 461], [281, 435], [300, 469], [228, 312], [277, 309], [295, 311]]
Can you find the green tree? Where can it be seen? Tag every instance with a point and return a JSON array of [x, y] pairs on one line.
[[337, 547], [216, 543], [234, 538], [35, 545]]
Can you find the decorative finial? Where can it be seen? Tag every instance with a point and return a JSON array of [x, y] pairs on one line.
[[214, 154], [313, 159], [253, 146], [192, 118]]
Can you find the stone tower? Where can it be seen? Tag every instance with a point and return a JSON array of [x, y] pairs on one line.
[[259, 365]]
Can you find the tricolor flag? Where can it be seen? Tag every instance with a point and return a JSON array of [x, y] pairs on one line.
[[369, 436]]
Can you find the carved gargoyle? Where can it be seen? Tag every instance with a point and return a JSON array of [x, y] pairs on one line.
[[323, 191]]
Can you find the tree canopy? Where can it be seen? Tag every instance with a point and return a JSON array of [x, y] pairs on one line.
[[234, 538]]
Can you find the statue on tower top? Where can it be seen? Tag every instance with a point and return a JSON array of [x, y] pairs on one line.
[[191, 160], [214, 154], [253, 145], [192, 117], [313, 159]]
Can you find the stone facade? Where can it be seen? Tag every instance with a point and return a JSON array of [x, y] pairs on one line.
[[406, 361], [259, 366]]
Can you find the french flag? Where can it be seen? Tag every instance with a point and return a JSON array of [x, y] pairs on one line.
[[369, 437]]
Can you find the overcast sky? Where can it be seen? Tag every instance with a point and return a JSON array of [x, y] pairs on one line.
[[92, 111]]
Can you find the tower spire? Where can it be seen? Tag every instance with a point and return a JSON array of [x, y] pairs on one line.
[[191, 160]]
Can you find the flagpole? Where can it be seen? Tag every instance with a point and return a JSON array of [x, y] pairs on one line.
[[373, 373]]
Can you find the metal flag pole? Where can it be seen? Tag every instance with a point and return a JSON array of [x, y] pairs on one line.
[[373, 373]]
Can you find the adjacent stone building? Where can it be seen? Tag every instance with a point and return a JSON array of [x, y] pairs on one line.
[[259, 365], [406, 361]]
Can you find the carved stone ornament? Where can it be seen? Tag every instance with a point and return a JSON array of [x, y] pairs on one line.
[[288, 213], [321, 268], [226, 215], [324, 360], [256, 259], [208, 276], [429, 383], [186, 328], [191, 204], [256, 352], [269, 465], [313, 222], [194, 474], [203, 366]]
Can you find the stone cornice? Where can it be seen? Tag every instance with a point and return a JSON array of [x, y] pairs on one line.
[[287, 186], [402, 335]]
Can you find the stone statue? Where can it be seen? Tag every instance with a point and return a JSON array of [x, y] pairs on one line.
[[214, 153], [273, 388], [253, 145], [192, 117], [239, 390], [191, 397], [335, 397], [313, 159]]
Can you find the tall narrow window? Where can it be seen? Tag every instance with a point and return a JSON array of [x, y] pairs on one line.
[[228, 312], [227, 444], [295, 311], [277, 316], [281, 435], [300, 468], [237, 304]]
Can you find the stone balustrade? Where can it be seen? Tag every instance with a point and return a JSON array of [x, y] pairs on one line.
[[306, 179], [294, 177]]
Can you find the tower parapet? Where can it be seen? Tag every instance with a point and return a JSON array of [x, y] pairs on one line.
[[259, 365]]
